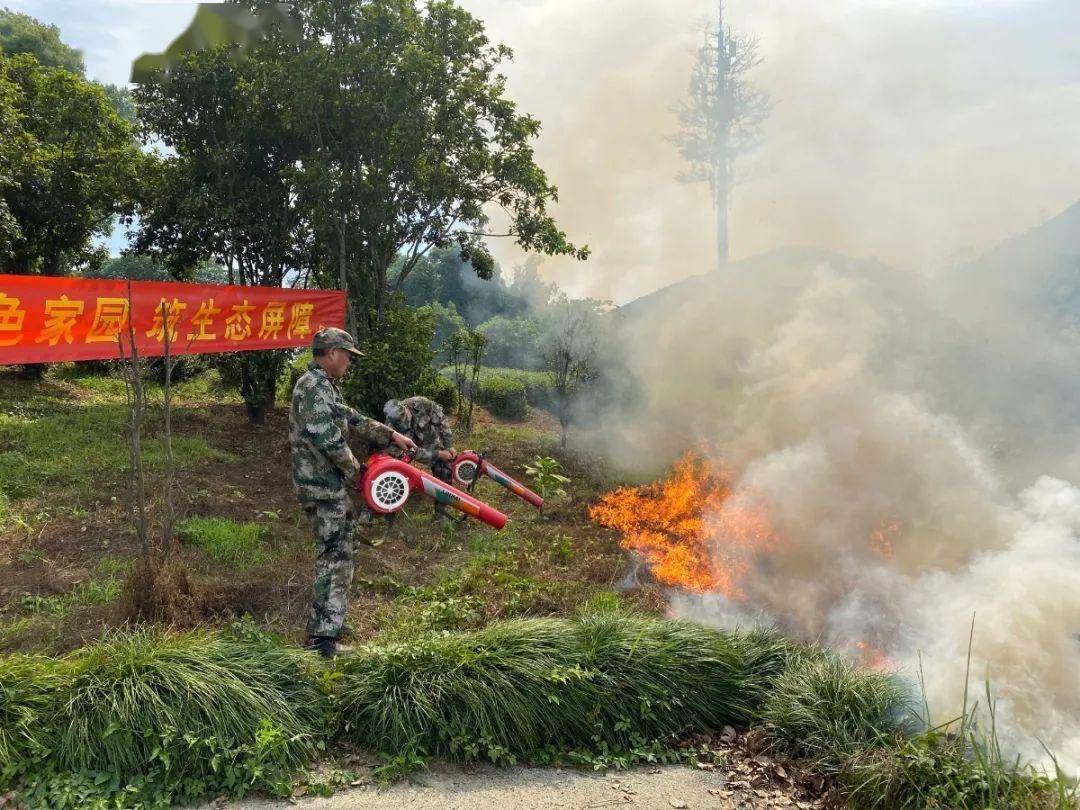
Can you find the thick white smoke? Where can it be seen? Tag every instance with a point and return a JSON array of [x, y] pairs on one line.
[[832, 386]]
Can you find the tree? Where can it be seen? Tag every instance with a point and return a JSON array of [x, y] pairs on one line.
[[13, 140], [76, 168], [511, 342], [443, 276], [571, 332], [21, 33], [134, 267], [228, 194], [722, 117], [411, 141]]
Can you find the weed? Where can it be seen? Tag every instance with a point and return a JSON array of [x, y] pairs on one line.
[[547, 477], [11, 630], [91, 592], [31, 555], [115, 566], [238, 545]]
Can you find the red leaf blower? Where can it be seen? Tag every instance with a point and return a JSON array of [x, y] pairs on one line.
[[387, 482], [468, 466]]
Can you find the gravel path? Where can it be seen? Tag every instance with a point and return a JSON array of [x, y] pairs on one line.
[[488, 788]]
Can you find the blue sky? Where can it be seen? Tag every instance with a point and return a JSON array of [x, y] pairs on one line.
[[920, 132]]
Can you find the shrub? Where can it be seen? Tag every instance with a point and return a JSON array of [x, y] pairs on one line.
[[825, 708], [503, 397], [396, 362], [511, 342], [442, 391]]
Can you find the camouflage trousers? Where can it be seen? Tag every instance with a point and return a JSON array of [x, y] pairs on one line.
[[443, 471], [332, 522]]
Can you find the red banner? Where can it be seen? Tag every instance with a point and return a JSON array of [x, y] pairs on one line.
[[44, 319]]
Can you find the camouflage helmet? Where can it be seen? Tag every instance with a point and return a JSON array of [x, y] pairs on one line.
[[396, 414]]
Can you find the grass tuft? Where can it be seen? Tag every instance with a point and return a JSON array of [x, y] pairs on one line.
[[604, 681], [238, 545], [27, 691], [825, 708]]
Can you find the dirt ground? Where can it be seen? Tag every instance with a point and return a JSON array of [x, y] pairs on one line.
[[65, 550], [485, 787]]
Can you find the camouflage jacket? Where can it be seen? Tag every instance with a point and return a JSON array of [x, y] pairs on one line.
[[319, 423], [427, 427]]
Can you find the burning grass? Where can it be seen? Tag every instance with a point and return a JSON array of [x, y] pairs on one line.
[[695, 529]]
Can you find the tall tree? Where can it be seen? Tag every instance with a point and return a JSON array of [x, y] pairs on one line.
[[412, 143], [228, 191], [721, 118], [21, 33], [13, 141], [75, 169]]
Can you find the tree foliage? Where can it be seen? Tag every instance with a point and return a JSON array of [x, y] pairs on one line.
[[21, 33], [412, 141], [73, 165]]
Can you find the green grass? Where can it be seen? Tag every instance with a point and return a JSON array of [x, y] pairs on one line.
[[227, 542], [825, 708], [68, 433], [938, 769], [91, 592], [518, 572], [516, 689], [13, 629], [160, 717], [27, 695]]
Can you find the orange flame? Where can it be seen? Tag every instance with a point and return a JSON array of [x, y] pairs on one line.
[[871, 657], [693, 528], [881, 538]]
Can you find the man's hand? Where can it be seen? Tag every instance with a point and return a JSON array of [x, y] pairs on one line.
[[404, 442], [447, 455]]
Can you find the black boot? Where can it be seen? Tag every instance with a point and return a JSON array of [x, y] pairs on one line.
[[327, 646]]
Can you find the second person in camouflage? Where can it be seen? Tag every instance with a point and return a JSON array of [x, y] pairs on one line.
[[423, 421]]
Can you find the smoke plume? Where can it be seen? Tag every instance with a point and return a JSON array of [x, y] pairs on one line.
[[891, 444]]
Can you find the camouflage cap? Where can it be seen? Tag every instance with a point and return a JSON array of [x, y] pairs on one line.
[[396, 413], [333, 338]]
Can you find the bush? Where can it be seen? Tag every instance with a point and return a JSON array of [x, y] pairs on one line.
[[503, 397], [518, 688], [396, 362], [938, 769], [442, 391], [27, 688], [511, 342], [164, 718], [825, 708]]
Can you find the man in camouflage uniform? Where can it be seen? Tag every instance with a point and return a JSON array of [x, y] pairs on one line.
[[423, 421], [323, 470]]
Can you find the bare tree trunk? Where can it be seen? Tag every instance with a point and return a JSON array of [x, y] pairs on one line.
[[170, 467], [133, 385], [720, 205], [343, 278]]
